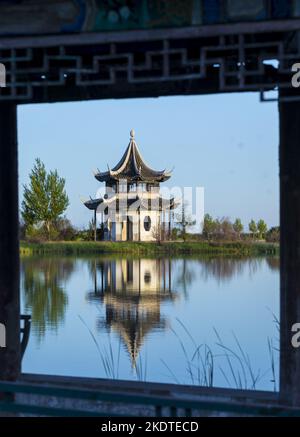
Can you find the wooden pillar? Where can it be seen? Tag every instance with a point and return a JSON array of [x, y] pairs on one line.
[[109, 227], [95, 225], [139, 223], [9, 243], [289, 159]]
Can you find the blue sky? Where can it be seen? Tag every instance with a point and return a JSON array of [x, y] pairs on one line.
[[226, 143]]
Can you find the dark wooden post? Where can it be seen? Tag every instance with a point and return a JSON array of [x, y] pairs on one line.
[[95, 225], [139, 223], [289, 158], [9, 242]]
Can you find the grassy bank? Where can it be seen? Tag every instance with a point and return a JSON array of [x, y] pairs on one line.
[[139, 248]]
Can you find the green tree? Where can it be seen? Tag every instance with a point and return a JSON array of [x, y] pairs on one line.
[[209, 226], [262, 228], [45, 199], [253, 228], [238, 227]]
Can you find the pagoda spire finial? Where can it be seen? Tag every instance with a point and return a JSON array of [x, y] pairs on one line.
[[132, 134]]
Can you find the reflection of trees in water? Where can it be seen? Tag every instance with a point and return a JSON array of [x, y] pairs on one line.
[[221, 269], [43, 291], [185, 275], [273, 263], [225, 269]]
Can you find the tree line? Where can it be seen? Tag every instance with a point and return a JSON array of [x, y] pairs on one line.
[[45, 201], [225, 229]]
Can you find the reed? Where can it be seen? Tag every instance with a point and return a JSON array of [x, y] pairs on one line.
[[150, 248]]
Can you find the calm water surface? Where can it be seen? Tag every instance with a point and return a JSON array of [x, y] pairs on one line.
[[192, 321]]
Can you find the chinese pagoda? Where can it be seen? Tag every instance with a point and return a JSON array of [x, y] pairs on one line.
[[132, 208]]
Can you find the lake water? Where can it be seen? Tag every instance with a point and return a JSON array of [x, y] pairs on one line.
[[207, 321]]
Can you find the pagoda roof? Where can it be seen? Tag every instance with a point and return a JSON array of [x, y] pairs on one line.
[[132, 167], [93, 203], [159, 204]]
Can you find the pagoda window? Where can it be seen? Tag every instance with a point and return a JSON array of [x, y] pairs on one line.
[[142, 187], [111, 188], [122, 188], [152, 188], [131, 187], [147, 223]]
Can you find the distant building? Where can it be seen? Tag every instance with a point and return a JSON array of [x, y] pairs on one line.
[[132, 208]]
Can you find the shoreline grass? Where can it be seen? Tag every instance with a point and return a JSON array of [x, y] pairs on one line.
[[236, 248]]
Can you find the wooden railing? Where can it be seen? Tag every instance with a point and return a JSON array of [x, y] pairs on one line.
[[162, 405]]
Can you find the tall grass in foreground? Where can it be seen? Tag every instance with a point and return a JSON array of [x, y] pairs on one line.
[[274, 349], [111, 363], [237, 369], [200, 363], [140, 368]]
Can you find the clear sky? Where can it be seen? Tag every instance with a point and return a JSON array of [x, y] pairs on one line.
[[226, 143]]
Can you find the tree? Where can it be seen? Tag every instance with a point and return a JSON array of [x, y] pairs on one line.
[[157, 233], [253, 228], [226, 228], [238, 227], [65, 230], [273, 235], [209, 226], [45, 199], [184, 220], [262, 228], [22, 230]]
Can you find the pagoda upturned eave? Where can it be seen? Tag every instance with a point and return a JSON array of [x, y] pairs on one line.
[[161, 204], [93, 204]]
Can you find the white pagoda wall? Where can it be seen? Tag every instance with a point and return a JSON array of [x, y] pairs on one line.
[[154, 216], [119, 232]]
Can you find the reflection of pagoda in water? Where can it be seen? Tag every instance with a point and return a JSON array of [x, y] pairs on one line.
[[133, 291]]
